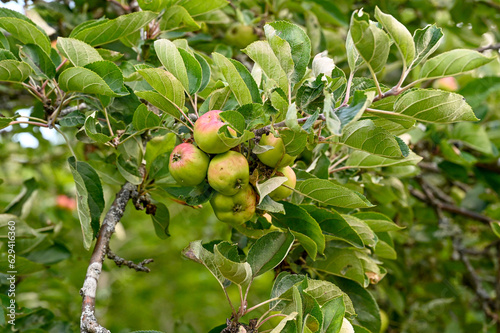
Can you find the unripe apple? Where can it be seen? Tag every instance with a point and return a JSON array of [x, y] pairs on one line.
[[384, 321], [276, 157], [188, 165], [228, 172], [241, 35], [236, 209], [446, 83], [205, 133], [282, 192], [346, 327]]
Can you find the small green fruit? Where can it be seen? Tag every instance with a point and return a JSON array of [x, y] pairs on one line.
[[276, 157], [241, 35], [236, 209], [228, 172], [282, 192], [205, 133], [188, 165]]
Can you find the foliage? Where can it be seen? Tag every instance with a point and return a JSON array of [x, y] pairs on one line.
[[396, 201]]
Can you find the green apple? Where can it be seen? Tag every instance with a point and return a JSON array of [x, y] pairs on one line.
[[282, 192], [205, 133], [235, 209], [276, 157], [228, 172], [241, 35], [188, 164]]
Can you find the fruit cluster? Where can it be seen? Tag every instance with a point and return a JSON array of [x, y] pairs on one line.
[[228, 171]]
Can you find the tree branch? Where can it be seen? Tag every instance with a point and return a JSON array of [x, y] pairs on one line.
[[140, 267], [489, 47], [88, 321]]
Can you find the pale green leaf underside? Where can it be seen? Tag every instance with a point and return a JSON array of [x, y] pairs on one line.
[[78, 53], [84, 80], [25, 32], [166, 84], [233, 78], [453, 63], [14, 71], [361, 159], [171, 59]]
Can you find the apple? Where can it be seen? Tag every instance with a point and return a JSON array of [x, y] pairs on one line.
[[236, 209], [205, 133], [188, 164], [241, 35], [276, 157], [446, 83], [282, 192], [228, 172]]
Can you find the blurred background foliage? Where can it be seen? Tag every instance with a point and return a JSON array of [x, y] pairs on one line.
[[429, 288]]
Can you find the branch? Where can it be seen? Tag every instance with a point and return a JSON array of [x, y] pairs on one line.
[[140, 267], [489, 47], [88, 321], [264, 130], [68, 110]]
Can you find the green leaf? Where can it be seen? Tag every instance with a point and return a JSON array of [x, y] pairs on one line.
[[158, 146], [310, 95], [15, 207], [84, 80], [24, 30], [362, 229], [193, 69], [177, 17], [495, 227], [7, 55], [298, 220], [77, 52], [281, 325], [333, 224], [426, 42], [361, 159], [14, 71], [111, 74], [372, 43], [364, 135], [256, 115], [333, 315], [452, 63], [90, 198], [328, 193], [268, 251], [230, 141], [169, 88], [477, 90], [129, 169], [23, 265], [196, 252], [94, 130], [144, 119], [325, 291], [233, 78], [400, 35], [172, 60], [434, 106], [236, 272], [39, 61], [268, 186], [262, 54], [5, 122], [205, 69], [353, 57], [249, 81], [341, 262], [473, 136], [295, 142], [344, 115], [198, 7], [108, 31], [281, 49], [300, 45], [161, 220]]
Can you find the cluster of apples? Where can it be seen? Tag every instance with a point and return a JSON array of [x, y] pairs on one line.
[[227, 171]]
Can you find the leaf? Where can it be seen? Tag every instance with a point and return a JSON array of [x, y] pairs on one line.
[[158, 146], [269, 205], [353, 57], [372, 43], [295, 142], [362, 229], [129, 169], [361, 159], [249, 81], [205, 69], [325, 291], [90, 199], [14, 71], [198, 7], [452, 63], [364, 135], [400, 35], [310, 95], [328, 193], [495, 227], [300, 46], [196, 252], [477, 90], [236, 272], [233, 78], [341, 262], [5, 122], [79, 79], [262, 54], [77, 52], [231, 142], [7, 55], [298, 220], [234, 119], [176, 18], [39, 61], [24, 30], [344, 115], [161, 220], [144, 119], [283, 322], [162, 103], [473, 136], [268, 186], [426, 42], [93, 129], [171, 59], [111, 30], [193, 70], [256, 115], [269, 251], [111, 74], [333, 224], [281, 49], [434, 106], [333, 315], [15, 207]]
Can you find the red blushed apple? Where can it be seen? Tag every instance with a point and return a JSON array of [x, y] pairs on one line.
[[65, 202], [188, 164], [205, 133], [446, 83]]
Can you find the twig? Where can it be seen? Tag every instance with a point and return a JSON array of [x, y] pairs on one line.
[[68, 110], [140, 267], [88, 320], [266, 129], [28, 122], [495, 47]]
